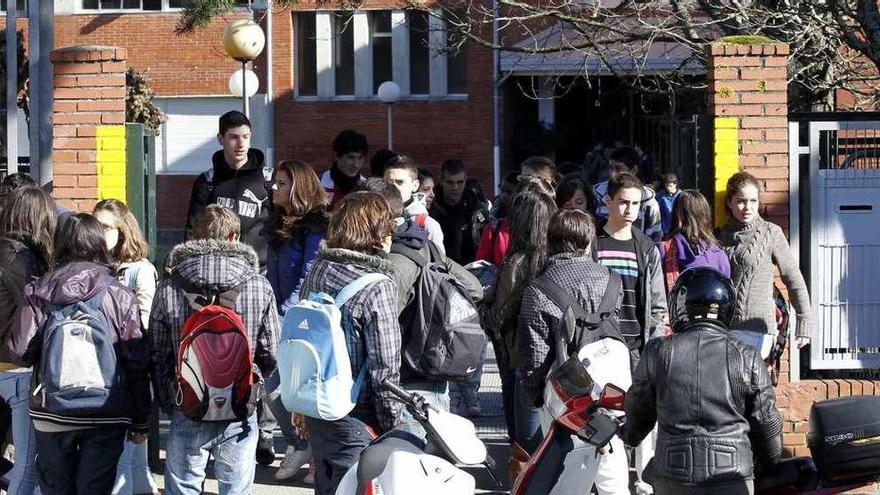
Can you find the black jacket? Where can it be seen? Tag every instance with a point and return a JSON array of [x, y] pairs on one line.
[[711, 397], [460, 224], [244, 191]]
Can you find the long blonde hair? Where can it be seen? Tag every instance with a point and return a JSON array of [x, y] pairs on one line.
[[131, 245]]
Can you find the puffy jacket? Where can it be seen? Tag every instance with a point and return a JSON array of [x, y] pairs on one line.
[[713, 402], [214, 265], [71, 283], [495, 242], [288, 262], [20, 263], [243, 191]]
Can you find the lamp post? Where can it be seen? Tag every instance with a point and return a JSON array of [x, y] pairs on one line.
[[244, 83], [244, 41], [389, 93]]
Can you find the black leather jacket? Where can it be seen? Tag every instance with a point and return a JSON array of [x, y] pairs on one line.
[[713, 401]]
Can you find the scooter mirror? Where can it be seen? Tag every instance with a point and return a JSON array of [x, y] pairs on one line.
[[599, 431], [612, 397]]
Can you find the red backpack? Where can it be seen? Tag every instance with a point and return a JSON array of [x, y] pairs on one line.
[[216, 380]]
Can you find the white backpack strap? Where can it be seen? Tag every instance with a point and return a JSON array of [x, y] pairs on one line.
[[353, 288]]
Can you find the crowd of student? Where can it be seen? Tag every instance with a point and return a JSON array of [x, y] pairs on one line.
[[267, 236]]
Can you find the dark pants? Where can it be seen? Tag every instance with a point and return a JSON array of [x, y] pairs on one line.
[[336, 446], [740, 487], [508, 387], [79, 461], [528, 421]]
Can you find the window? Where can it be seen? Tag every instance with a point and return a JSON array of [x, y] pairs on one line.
[[21, 5], [390, 45], [145, 5]]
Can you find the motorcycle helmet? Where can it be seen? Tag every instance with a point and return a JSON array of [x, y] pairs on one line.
[[701, 294]]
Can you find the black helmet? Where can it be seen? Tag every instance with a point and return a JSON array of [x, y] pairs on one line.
[[701, 293]]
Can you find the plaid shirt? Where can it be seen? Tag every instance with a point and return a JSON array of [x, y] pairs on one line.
[[221, 265], [370, 322], [540, 318]]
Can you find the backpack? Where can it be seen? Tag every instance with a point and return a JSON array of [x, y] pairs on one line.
[[79, 372], [216, 378], [313, 361], [581, 328], [443, 339]]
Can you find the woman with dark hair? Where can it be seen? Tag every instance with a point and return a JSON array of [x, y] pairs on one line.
[[358, 241], [27, 222], [690, 242], [93, 394], [530, 215], [298, 225], [129, 250], [572, 194], [426, 185]]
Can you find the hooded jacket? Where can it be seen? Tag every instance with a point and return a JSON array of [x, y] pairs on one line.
[[649, 222], [20, 263], [712, 399], [243, 191], [458, 224], [288, 262], [333, 186], [710, 255], [215, 265], [71, 283], [417, 210], [369, 319]]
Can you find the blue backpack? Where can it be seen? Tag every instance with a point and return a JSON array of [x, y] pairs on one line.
[[313, 361], [79, 374]]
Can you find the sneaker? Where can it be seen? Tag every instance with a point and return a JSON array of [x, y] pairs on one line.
[[643, 488], [266, 451], [293, 461], [473, 411], [310, 477]]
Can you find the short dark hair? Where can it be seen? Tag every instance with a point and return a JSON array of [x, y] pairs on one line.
[[570, 231], [452, 166], [388, 191], [380, 160], [626, 155], [625, 180], [403, 162], [231, 119], [350, 141], [80, 237], [669, 178], [424, 173], [15, 181]]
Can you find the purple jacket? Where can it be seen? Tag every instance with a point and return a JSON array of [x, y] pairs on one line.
[[712, 256], [79, 281]]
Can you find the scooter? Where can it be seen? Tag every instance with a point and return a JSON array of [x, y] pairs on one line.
[[580, 422], [799, 476], [399, 462]]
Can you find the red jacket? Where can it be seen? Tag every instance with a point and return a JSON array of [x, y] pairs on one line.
[[494, 243]]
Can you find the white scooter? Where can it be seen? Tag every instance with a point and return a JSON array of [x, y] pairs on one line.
[[399, 462]]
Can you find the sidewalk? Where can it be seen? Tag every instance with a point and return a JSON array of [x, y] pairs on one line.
[[490, 428]]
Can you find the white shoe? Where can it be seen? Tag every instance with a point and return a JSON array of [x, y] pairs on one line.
[[293, 461], [643, 488]]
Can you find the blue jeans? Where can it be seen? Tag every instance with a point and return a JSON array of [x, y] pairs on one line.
[[14, 389], [79, 461], [528, 421], [282, 415], [133, 475], [465, 393], [435, 393], [336, 446], [232, 443]]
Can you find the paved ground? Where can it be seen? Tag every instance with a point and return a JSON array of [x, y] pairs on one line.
[[490, 427]]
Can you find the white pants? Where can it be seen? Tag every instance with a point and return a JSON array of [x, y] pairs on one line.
[[644, 453], [612, 478]]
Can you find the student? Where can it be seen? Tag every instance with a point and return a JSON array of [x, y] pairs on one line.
[[529, 217], [572, 269], [402, 172], [496, 237], [349, 151], [622, 247], [78, 451], [626, 160], [129, 251], [236, 180], [27, 222], [540, 166], [572, 194], [358, 241], [213, 262], [754, 246], [666, 198], [426, 186], [691, 242], [297, 226], [457, 210]]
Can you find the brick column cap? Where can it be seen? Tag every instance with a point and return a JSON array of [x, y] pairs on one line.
[[748, 45], [89, 53]]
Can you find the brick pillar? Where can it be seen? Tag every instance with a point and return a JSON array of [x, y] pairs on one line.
[[88, 149], [748, 97]]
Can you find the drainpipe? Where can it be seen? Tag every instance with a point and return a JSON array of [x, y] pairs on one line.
[[496, 102], [270, 100]]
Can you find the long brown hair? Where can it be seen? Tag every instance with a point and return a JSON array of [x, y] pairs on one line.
[[28, 213], [131, 245], [360, 222], [530, 214], [306, 195], [692, 218]]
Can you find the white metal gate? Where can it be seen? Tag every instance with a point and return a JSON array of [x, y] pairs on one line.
[[843, 229]]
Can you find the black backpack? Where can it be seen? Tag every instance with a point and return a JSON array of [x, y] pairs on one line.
[[443, 339], [582, 328]]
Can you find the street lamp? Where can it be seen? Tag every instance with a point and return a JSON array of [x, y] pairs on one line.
[[244, 41], [389, 93], [244, 83]]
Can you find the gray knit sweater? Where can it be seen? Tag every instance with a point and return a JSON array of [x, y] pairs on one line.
[[753, 249]]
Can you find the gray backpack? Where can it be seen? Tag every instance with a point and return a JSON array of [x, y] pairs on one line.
[[443, 339]]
